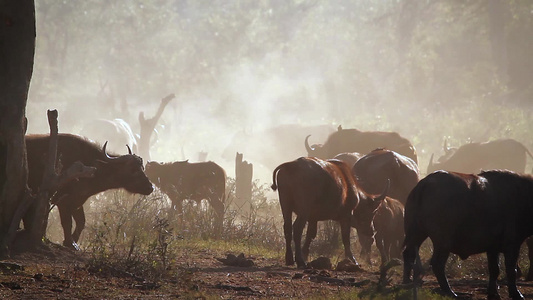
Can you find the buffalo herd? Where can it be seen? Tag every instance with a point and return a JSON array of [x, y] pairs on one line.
[[475, 199]]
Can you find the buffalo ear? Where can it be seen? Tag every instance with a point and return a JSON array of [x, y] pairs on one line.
[[100, 163], [376, 203]]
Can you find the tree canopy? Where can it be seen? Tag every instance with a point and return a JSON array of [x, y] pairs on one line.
[[425, 68]]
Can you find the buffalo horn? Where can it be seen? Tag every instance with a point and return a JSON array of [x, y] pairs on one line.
[[307, 147], [445, 146], [129, 149], [105, 151]]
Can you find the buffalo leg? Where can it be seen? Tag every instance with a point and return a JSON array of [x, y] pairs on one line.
[[345, 233], [529, 243], [494, 271], [79, 217], [298, 228], [218, 207], [311, 234], [386, 245], [287, 231], [176, 211], [382, 248], [366, 242], [438, 264], [410, 254], [511, 258], [396, 252], [65, 214]]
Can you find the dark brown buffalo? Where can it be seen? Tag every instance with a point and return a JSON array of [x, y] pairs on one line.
[[112, 172], [317, 190], [182, 180], [468, 214], [353, 140], [373, 170], [474, 157]]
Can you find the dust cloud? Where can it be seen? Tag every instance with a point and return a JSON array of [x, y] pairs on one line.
[[246, 72]]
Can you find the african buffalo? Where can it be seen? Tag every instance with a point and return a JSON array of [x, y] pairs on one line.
[[389, 232], [473, 157], [112, 172], [317, 190], [182, 180], [117, 131], [468, 214], [353, 140], [373, 170], [349, 158]]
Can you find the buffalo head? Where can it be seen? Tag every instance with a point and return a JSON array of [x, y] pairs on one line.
[[316, 150], [363, 216], [126, 171]]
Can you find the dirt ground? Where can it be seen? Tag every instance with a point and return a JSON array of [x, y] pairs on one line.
[[59, 273]]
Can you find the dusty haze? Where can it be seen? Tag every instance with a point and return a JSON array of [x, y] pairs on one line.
[[426, 69]]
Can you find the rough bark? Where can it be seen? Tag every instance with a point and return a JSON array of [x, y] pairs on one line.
[[53, 180], [243, 182], [17, 48]]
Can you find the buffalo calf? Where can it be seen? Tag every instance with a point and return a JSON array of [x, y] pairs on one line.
[[389, 232]]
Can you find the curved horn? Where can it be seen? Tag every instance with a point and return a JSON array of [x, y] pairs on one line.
[[129, 149], [105, 151], [307, 147]]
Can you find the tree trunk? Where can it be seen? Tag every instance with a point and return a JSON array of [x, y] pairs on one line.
[[243, 183], [17, 48], [148, 126]]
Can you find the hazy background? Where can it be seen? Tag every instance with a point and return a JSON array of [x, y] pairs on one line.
[[426, 69]]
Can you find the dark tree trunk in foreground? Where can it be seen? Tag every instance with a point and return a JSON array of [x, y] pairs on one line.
[[17, 48]]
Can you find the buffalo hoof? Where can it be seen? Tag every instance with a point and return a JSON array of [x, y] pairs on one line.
[[73, 246], [449, 293], [517, 296]]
